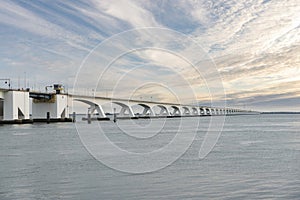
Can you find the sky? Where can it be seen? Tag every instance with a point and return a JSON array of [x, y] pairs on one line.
[[244, 52]]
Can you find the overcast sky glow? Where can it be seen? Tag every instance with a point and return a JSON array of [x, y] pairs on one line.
[[255, 45]]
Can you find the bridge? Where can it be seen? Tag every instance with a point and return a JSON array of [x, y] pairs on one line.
[[26, 105], [166, 109]]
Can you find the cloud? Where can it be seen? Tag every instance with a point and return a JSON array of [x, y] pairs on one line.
[[127, 11], [254, 44]]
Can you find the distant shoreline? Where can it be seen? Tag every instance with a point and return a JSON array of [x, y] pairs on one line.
[[286, 113]]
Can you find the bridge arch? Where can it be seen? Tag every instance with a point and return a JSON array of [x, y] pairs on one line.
[[202, 111], [208, 111], [176, 111], [185, 110], [93, 107], [148, 110], [221, 111], [124, 108], [195, 111], [164, 111], [213, 111]]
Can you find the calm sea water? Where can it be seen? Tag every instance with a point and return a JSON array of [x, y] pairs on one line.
[[256, 157]]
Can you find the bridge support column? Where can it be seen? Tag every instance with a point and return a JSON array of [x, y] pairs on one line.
[[15, 105], [202, 111], [94, 107], [186, 111], [222, 111], [208, 111], [99, 109], [57, 106], [176, 111], [164, 111], [148, 110], [195, 111], [213, 111], [128, 109]]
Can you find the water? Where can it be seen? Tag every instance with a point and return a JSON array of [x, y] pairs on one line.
[[256, 157]]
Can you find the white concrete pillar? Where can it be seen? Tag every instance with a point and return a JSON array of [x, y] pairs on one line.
[[126, 108], [208, 111], [176, 111], [212, 111], [99, 109], [186, 111], [148, 110], [164, 111], [57, 106], [202, 111], [195, 111], [15, 105]]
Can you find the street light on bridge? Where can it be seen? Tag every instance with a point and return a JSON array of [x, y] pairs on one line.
[[6, 81], [49, 86]]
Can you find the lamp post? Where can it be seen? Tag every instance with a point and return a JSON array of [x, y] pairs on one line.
[[49, 86], [6, 81]]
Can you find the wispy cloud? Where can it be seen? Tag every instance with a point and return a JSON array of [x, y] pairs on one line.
[[254, 44]]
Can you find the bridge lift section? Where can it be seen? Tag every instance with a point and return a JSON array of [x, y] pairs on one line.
[[56, 104]]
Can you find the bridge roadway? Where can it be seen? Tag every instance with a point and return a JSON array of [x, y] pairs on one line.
[[166, 109]]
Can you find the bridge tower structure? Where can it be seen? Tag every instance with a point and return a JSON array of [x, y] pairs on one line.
[[56, 105], [14, 104]]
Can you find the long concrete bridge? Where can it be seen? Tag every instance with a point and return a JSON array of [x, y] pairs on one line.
[[166, 109], [26, 105]]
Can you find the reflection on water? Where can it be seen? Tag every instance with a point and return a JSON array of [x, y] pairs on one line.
[[256, 157]]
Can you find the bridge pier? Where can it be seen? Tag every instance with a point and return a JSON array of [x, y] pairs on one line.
[[202, 111], [186, 111], [14, 105], [94, 107], [148, 111], [164, 111], [99, 110], [195, 111], [176, 111], [57, 106], [222, 111], [125, 108], [207, 111]]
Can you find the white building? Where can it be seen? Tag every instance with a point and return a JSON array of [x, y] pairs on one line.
[[57, 106], [17, 105], [14, 105]]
